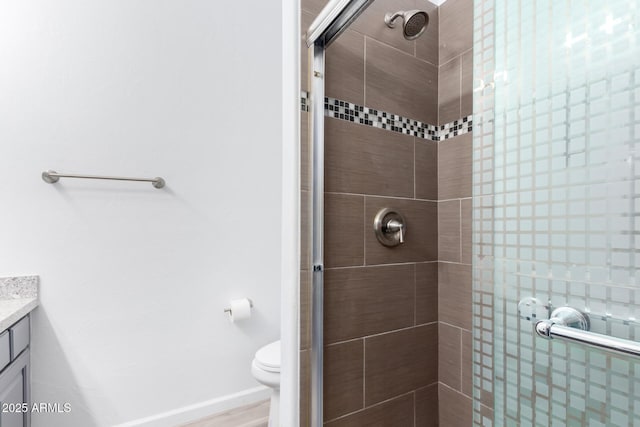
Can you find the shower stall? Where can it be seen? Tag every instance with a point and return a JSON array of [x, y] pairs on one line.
[[468, 232]]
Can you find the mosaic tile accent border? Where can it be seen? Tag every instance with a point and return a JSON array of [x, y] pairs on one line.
[[455, 128], [380, 119], [366, 116]]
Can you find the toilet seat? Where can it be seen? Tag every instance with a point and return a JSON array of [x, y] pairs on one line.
[[265, 368], [268, 357]]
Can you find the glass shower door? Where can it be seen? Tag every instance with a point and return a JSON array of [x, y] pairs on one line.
[[556, 208]]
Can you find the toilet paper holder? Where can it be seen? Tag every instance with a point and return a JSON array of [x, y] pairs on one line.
[[228, 309]]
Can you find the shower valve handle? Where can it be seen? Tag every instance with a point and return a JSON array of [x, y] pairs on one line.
[[395, 226]]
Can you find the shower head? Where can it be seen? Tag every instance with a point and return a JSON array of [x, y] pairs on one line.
[[414, 22]]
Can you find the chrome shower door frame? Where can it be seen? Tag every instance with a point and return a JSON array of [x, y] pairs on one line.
[[329, 24], [317, 58]]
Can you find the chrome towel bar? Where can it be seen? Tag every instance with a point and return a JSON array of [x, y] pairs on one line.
[[52, 177], [572, 325]]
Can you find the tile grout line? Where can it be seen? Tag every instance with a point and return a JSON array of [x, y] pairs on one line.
[[460, 87], [376, 404], [454, 326], [451, 262], [364, 71], [364, 373], [393, 264], [454, 390], [438, 9], [438, 74], [438, 225], [397, 49], [451, 200], [438, 206], [415, 295], [414, 407], [384, 197], [438, 228], [456, 56], [382, 333], [460, 228], [364, 231], [414, 167], [461, 359], [489, 408]]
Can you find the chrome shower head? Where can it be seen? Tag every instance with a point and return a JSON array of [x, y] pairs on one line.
[[414, 22]]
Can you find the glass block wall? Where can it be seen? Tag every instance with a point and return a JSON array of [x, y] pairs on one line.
[[556, 207]]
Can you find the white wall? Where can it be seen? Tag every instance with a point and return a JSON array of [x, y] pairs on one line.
[[134, 279]]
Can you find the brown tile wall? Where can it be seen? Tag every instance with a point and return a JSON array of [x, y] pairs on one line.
[[397, 321], [455, 75], [381, 310], [454, 217]]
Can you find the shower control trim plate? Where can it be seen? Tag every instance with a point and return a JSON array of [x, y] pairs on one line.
[[390, 227]]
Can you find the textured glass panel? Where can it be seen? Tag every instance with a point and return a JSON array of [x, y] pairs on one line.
[[557, 207]]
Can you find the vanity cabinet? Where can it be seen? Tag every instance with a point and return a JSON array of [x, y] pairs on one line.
[[15, 402]]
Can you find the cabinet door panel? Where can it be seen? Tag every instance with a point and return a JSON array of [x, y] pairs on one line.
[[11, 399], [14, 392]]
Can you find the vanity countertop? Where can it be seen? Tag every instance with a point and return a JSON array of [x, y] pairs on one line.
[[18, 297]]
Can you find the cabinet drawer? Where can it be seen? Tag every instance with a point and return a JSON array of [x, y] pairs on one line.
[[19, 337], [5, 353]]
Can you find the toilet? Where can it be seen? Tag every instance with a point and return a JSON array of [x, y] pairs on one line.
[[265, 368]]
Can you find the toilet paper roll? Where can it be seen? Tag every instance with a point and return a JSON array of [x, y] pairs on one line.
[[239, 309]]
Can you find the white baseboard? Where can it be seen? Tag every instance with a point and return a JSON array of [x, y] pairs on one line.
[[194, 412]]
